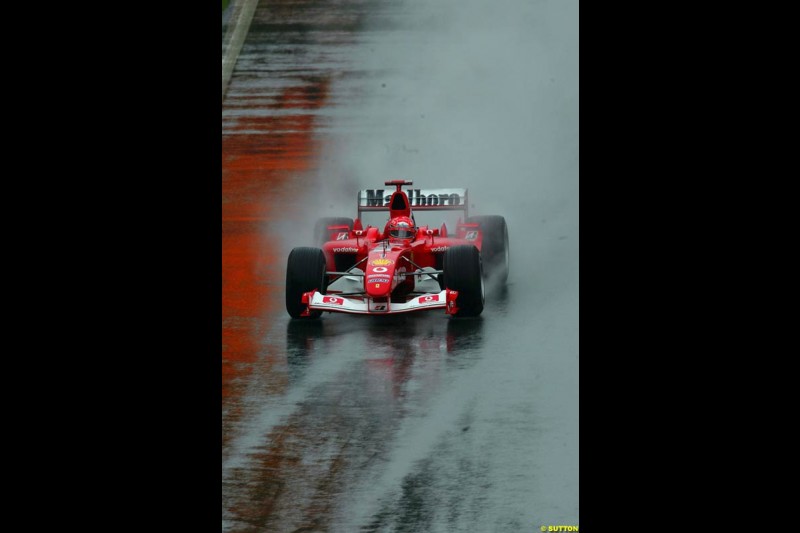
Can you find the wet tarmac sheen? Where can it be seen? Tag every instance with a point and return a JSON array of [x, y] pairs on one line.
[[418, 422]]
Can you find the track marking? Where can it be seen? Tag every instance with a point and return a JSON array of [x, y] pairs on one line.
[[238, 27]]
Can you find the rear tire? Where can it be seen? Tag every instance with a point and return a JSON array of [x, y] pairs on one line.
[[463, 273], [494, 250], [321, 234], [305, 271]]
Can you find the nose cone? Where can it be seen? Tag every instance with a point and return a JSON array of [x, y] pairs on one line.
[[378, 279], [376, 290]]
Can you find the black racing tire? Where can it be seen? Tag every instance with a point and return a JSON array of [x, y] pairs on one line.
[[321, 228], [463, 273], [495, 249], [305, 271]]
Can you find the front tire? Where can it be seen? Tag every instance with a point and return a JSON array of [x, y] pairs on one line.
[[305, 271], [495, 249], [463, 272]]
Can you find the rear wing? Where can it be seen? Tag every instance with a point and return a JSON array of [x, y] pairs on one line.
[[419, 200]]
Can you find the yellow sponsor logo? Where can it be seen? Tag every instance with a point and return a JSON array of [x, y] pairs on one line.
[[381, 262], [377, 285], [559, 528]]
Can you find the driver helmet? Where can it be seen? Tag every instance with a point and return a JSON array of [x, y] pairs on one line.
[[402, 228]]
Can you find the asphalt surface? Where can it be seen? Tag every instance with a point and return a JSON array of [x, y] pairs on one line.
[[417, 422]]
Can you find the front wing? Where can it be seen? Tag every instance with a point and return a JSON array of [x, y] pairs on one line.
[[316, 301]]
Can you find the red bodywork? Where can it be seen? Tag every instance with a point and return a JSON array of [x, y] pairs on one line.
[[389, 265]]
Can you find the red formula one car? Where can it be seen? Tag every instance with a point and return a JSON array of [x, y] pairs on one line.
[[401, 267]]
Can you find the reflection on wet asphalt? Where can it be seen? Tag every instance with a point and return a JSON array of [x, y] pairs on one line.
[[414, 422]]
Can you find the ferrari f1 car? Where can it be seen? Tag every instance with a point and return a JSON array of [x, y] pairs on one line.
[[402, 267]]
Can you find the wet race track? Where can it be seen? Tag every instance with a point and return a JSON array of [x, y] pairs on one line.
[[415, 422]]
